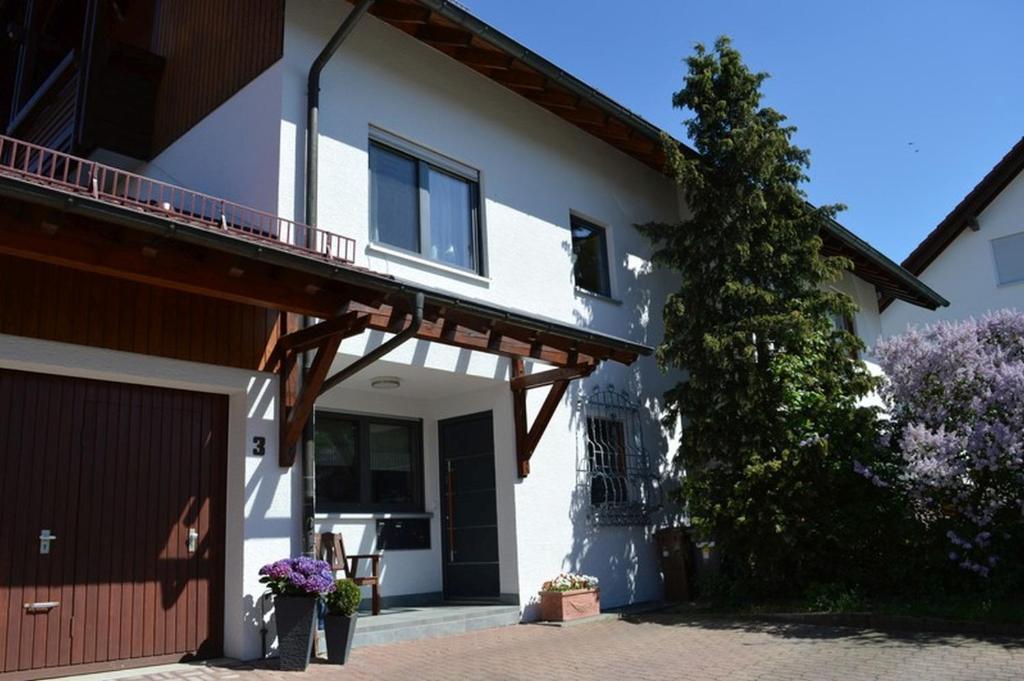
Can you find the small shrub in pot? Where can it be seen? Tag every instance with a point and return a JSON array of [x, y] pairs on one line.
[[340, 620]]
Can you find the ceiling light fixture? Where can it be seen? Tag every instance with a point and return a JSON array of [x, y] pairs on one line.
[[385, 382]]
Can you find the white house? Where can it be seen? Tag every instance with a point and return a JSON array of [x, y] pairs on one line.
[[470, 198], [975, 256]]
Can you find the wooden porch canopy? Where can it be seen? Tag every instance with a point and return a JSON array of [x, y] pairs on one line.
[[77, 225]]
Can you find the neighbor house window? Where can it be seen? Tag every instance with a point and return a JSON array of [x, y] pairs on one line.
[[1009, 255], [424, 203], [364, 463], [616, 476], [590, 257]]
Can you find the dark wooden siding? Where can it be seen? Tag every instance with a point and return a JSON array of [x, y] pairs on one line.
[[52, 122], [212, 49], [56, 303]]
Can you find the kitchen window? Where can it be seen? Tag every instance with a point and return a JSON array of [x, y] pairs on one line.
[[426, 204], [368, 464]]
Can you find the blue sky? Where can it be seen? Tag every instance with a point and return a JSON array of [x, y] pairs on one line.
[[861, 79]]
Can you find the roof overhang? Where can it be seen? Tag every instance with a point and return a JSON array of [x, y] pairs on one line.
[[50, 224]]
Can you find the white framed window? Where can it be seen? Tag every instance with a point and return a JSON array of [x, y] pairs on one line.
[[1008, 252], [424, 203]]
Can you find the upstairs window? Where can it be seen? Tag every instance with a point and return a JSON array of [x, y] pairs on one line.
[[1009, 255], [366, 464], [425, 204], [590, 257]]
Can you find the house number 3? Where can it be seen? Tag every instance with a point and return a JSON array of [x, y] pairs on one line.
[[259, 447]]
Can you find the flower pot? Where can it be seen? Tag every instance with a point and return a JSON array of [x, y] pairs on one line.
[[562, 606], [339, 631], [296, 622]]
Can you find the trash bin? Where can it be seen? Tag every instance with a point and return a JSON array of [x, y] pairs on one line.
[[676, 551]]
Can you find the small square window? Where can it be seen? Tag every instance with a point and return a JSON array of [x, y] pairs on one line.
[[590, 257], [1009, 255]]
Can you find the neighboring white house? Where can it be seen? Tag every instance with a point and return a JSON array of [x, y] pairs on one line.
[[456, 172], [975, 256]]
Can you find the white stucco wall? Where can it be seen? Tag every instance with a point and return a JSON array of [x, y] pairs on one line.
[[534, 167], [260, 494], [535, 171], [232, 153], [965, 273]]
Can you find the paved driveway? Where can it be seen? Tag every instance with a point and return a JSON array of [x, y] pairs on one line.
[[668, 647]]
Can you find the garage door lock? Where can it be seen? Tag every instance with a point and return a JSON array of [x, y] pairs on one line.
[[44, 541]]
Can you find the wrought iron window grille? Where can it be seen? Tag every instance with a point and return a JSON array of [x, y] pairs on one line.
[[614, 472]]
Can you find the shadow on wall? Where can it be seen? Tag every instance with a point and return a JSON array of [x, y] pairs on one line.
[[615, 552]]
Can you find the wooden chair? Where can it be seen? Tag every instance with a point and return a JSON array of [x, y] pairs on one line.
[[331, 548]]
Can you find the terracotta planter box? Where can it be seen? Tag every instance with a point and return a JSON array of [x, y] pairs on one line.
[[562, 606]]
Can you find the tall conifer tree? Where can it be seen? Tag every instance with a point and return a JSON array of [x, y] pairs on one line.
[[769, 406]]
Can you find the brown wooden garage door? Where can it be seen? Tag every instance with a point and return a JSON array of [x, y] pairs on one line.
[[130, 480]]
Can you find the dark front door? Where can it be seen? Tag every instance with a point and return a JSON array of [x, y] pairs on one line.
[[111, 524], [469, 524]]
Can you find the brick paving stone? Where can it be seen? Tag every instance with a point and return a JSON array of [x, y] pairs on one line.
[[663, 647]]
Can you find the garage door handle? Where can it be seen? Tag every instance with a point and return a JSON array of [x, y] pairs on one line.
[[42, 606]]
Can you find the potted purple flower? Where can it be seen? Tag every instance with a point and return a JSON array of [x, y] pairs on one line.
[[297, 585]]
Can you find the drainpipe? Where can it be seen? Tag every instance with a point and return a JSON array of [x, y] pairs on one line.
[[312, 145], [313, 104]]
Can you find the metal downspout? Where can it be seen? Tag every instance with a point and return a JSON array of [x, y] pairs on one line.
[[312, 147]]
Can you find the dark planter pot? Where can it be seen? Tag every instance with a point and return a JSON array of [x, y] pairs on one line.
[[295, 620], [339, 631]]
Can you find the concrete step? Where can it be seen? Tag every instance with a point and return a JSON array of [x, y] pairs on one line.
[[413, 623]]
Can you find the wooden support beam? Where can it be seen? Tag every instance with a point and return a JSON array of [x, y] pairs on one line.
[[348, 324], [552, 376], [519, 416], [556, 99], [295, 418], [436, 34], [479, 57], [398, 12], [585, 116], [528, 436], [520, 80], [547, 410]]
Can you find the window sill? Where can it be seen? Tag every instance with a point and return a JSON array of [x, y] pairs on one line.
[[389, 253], [381, 515], [584, 293]]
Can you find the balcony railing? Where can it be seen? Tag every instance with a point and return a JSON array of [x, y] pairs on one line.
[[104, 183]]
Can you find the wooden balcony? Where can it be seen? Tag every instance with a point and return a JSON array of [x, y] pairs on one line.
[[79, 176]]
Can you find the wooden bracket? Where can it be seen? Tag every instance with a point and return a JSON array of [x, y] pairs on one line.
[[528, 436], [295, 409]]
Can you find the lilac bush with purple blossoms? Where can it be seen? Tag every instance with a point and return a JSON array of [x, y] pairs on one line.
[[302, 576], [955, 393]]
